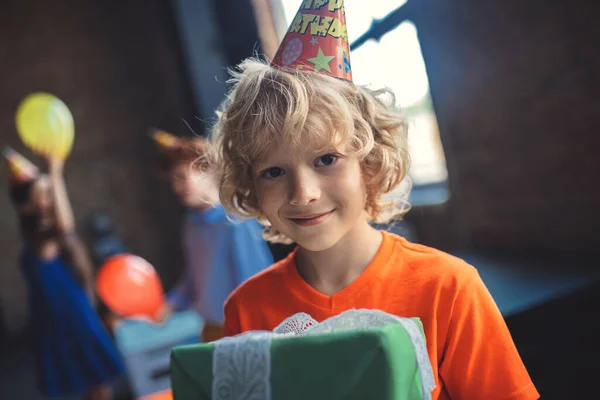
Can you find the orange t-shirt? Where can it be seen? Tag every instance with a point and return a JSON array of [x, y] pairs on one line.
[[471, 350]]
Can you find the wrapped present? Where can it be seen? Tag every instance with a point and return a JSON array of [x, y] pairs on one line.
[[359, 354]]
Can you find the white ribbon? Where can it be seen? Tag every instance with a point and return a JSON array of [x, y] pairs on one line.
[[242, 367]]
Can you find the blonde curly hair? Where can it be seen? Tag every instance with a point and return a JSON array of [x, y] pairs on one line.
[[270, 107]]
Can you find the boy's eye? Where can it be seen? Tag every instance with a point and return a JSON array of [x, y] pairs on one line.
[[272, 173], [327, 159]]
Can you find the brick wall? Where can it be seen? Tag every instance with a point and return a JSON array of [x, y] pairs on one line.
[[116, 65], [515, 86]]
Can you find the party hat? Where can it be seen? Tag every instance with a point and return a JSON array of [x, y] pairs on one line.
[[21, 169], [317, 40], [165, 141]]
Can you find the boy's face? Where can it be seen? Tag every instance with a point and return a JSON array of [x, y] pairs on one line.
[[194, 188], [314, 198]]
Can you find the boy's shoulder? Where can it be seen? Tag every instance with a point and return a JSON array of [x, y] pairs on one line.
[[407, 262], [429, 263]]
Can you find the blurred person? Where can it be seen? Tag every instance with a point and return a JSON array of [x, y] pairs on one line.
[[74, 352], [220, 252]]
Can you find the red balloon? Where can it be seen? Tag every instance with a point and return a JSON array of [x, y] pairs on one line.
[[130, 287]]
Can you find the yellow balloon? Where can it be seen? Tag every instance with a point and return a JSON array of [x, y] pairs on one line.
[[45, 125]]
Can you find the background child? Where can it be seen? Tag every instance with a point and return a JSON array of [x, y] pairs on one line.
[[312, 154], [75, 354], [220, 253]]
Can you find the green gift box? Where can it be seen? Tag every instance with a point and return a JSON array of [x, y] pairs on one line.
[[378, 361]]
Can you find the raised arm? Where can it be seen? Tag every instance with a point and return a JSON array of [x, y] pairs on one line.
[[65, 224], [65, 220]]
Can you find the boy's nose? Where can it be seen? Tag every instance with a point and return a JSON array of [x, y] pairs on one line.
[[305, 189]]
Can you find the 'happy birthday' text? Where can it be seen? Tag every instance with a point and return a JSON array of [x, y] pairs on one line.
[[319, 25], [333, 4]]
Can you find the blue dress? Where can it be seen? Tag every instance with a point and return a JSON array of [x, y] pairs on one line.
[[221, 253], [73, 349]]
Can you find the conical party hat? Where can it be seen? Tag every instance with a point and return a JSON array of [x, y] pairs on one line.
[[317, 40], [21, 169], [165, 141]]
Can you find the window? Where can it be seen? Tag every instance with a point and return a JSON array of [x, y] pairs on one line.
[[396, 61]]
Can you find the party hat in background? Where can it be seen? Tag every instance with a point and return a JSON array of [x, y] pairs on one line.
[[21, 169], [317, 40], [164, 140]]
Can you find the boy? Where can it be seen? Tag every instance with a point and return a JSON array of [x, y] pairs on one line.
[[312, 155], [221, 253]]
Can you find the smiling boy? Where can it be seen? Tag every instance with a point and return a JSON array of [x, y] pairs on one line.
[[313, 156]]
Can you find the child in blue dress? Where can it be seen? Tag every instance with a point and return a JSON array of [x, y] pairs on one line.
[[75, 354], [221, 251]]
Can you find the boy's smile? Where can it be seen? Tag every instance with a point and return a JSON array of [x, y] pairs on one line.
[[311, 219]]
